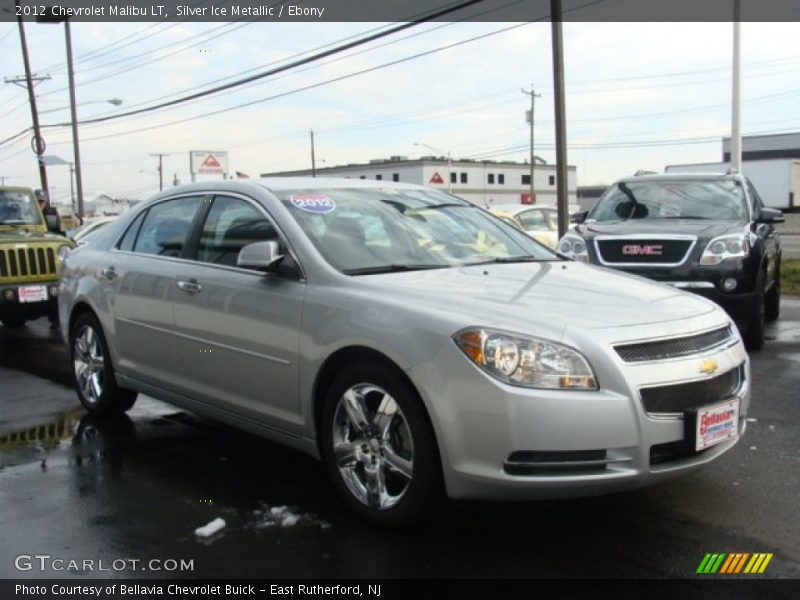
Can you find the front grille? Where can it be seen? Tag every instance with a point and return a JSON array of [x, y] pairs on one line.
[[27, 262], [643, 252], [678, 398], [675, 347]]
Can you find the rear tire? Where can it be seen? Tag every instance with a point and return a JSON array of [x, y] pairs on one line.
[[379, 447], [92, 371]]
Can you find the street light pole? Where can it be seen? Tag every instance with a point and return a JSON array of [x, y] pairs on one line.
[[160, 156], [76, 149], [313, 161], [533, 156], [38, 142], [736, 102], [562, 190]]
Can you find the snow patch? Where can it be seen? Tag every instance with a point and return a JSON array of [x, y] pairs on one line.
[[206, 531], [267, 517]]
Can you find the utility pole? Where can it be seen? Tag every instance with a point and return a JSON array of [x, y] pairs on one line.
[[76, 149], [561, 117], [72, 191], [37, 142], [160, 156], [736, 100], [313, 161], [533, 156]]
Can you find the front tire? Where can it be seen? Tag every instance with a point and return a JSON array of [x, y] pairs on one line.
[[13, 321], [379, 447], [92, 371], [754, 335], [773, 299]]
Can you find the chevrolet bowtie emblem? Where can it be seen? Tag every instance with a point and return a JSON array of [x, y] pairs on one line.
[[709, 366]]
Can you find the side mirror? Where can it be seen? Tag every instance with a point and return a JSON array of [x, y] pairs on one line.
[[52, 223], [771, 215], [579, 217], [261, 256]]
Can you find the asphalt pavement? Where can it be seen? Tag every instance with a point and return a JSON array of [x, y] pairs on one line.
[[135, 488]]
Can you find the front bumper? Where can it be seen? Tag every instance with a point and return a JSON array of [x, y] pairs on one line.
[[492, 436], [10, 300], [740, 306]]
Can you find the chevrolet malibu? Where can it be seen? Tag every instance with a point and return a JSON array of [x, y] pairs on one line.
[[415, 343]]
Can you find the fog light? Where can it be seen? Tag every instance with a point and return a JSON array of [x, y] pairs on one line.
[[9, 295], [729, 284]]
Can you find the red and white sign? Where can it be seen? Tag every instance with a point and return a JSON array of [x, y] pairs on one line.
[[717, 424], [32, 293], [436, 179], [526, 198], [207, 162]]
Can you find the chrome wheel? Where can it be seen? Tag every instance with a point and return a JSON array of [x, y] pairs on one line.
[[373, 446], [89, 364]]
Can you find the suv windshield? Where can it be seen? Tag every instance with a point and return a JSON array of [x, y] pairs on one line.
[[718, 199], [361, 231], [18, 207]]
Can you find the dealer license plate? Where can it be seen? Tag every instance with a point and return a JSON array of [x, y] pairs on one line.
[[32, 293], [716, 424]]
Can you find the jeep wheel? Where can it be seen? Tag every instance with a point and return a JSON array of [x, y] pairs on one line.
[[12, 321], [92, 371]]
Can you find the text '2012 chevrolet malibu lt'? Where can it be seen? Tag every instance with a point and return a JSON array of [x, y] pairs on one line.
[[417, 344]]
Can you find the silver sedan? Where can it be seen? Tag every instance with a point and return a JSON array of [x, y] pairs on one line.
[[416, 344]]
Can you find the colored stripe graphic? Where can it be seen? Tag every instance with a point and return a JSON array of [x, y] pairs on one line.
[[733, 563]]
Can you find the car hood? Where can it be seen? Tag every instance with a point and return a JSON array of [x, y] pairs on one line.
[[556, 293], [22, 236], [703, 229]]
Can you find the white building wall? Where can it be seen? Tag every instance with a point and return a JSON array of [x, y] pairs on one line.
[[472, 178]]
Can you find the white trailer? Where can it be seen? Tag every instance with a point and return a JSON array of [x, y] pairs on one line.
[[777, 180]]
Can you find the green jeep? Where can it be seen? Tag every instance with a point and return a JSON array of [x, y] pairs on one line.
[[30, 259]]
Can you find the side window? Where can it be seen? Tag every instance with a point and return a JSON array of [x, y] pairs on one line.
[[231, 225], [758, 204], [532, 219], [127, 241], [166, 227]]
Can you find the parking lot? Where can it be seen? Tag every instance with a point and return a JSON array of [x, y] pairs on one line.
[[78, 487]]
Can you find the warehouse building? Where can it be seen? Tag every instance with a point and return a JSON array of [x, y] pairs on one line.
[[484, 182]]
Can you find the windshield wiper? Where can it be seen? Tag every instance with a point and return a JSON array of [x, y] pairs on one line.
[[505, 260], [393, 268]]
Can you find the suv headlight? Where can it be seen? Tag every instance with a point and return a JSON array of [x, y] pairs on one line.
[[573, 246], [63, 250], [725, 246], [526, 361]]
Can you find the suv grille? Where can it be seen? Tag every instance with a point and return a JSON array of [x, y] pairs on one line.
[[643, 252], [673, 348], [27, 262], [678, 398]]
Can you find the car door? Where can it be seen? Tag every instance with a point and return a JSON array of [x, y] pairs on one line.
[[139, 277], [238, 330]]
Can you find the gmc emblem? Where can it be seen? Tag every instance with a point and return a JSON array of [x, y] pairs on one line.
[[642, 250]]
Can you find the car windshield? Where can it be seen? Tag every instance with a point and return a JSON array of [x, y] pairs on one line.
[[719, 199], [18, 207], [362, 231]]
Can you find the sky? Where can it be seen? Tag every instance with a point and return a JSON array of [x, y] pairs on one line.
[[638, 96]]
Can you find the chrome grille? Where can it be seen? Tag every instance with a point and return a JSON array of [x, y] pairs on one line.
[[678, 398], [675, 347], [27, 262], [643, 251]]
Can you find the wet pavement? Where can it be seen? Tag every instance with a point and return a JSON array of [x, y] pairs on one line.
[[76, 487]]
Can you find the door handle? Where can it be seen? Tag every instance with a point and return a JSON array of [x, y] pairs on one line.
[[191, 286], [109, 272]]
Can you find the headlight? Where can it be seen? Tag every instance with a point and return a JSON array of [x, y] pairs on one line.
[[725, 246], [526, 361], [573, 246], [63, 250]]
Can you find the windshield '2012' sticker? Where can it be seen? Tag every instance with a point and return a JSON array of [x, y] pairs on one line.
[[314, 203]]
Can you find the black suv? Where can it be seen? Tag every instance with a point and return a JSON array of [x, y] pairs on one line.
[[710, 234]]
